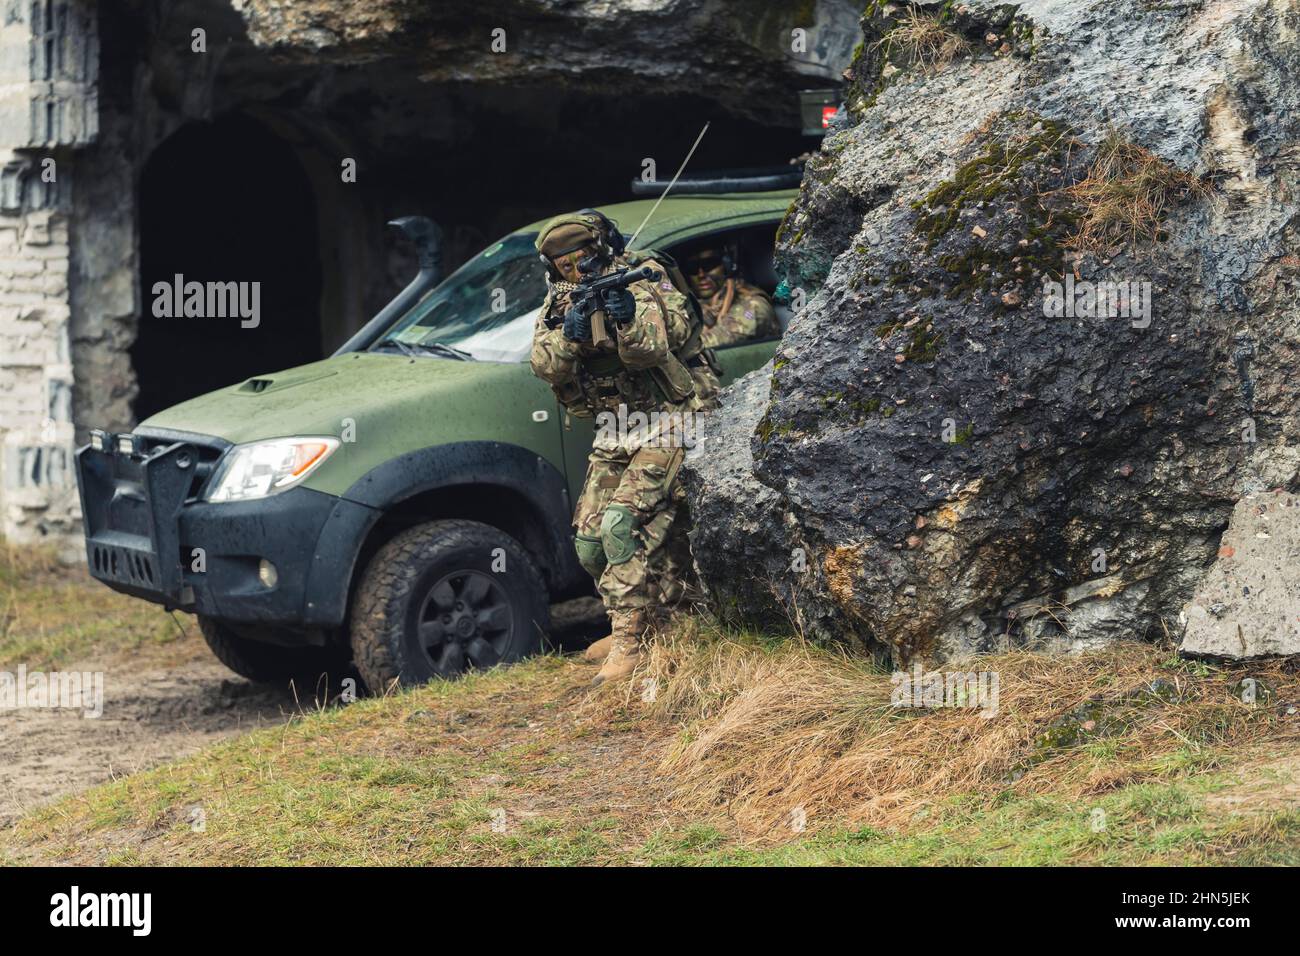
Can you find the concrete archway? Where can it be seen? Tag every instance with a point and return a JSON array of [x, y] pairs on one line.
[[225, 201]]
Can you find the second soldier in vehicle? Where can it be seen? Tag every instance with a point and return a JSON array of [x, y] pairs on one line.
[[736, 311], [642, 351]]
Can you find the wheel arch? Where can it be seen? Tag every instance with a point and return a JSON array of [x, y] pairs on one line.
[[505, 486]]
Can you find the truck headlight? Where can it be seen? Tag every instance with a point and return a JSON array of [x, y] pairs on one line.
[[264, 468]]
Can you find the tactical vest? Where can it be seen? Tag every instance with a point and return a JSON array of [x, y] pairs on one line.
[[604, 382]]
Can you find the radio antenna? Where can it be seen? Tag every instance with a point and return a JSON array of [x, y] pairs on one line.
[[680, 168]]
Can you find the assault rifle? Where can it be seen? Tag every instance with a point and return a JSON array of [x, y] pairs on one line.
[[589, 296]]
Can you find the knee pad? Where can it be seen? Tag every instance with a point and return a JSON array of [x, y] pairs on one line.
[[616, 527], [591, 554]]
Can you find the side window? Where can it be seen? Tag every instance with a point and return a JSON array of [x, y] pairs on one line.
[[731, 274]]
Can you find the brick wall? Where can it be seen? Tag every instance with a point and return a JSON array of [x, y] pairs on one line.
[[48, 109], [37, 487]]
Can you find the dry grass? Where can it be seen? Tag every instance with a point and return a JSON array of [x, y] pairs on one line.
[[924, 41], [54, 614], [1126, 194], [767, 731], [700, 759], [703, 757], [27, 560]]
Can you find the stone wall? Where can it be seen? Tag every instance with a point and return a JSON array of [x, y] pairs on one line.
[[48, 109]]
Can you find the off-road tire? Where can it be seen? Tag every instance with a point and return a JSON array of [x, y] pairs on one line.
[[266, 663], [395, 609]]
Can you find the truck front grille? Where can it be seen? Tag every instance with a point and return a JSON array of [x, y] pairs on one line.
[[210, 451], [121, 564]]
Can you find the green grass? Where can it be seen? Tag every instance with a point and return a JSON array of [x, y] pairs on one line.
[[524, 767], [417, 779], [1144, 825], [52, 615]]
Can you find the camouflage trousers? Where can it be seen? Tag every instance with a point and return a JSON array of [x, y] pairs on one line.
[[631, 527]]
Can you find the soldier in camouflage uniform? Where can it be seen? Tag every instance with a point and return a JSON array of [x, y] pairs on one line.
[[735, 310], [648, 359]]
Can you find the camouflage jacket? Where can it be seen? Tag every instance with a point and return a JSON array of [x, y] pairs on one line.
[[637, 367], [745, 315]]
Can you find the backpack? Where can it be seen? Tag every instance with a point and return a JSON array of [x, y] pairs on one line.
[[692, 351]]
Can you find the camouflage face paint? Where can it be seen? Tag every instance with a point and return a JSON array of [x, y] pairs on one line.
[[705, 272], [706, 284], [567, 263]]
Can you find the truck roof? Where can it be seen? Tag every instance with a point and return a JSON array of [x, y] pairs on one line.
[[681, 217]]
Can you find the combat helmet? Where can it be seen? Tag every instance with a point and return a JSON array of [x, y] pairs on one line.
[[569, 232]]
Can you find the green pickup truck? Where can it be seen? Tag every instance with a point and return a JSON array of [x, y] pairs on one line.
[[405, 503]]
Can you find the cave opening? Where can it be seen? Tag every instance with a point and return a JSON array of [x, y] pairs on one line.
[[541, 154], [225, 201], [510, 160]]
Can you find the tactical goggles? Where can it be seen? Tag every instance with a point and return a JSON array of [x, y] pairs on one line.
[[703, 264]]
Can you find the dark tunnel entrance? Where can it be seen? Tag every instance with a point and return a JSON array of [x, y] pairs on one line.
[[222, 202], [537, 155], [513, 157]]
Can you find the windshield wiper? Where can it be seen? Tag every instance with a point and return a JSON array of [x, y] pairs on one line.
[[415, 348], [439, 348], [401, 347]]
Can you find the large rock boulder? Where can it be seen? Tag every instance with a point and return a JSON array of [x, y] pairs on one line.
[[1248, 604], [969, 455], [731, 511]]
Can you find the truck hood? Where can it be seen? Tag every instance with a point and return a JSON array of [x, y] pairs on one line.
[[316, 399]]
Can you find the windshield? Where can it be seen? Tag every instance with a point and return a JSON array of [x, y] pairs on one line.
[[484, 310]]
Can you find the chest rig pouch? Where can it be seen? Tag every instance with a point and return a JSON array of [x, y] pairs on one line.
[[671, 376], [604, 382], [601, 381]]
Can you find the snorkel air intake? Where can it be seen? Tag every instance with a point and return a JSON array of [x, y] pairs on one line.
[[426, 235]]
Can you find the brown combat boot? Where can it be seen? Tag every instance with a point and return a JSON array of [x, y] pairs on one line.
[[597, 651], [625, 646]]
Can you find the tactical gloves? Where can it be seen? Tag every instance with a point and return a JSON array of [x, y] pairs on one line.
[[577, 325], [620, 306]]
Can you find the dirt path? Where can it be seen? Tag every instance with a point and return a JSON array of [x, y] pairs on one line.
[[151, 714], [159, 705]]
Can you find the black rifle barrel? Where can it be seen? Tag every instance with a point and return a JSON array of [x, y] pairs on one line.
[[618, 280]]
